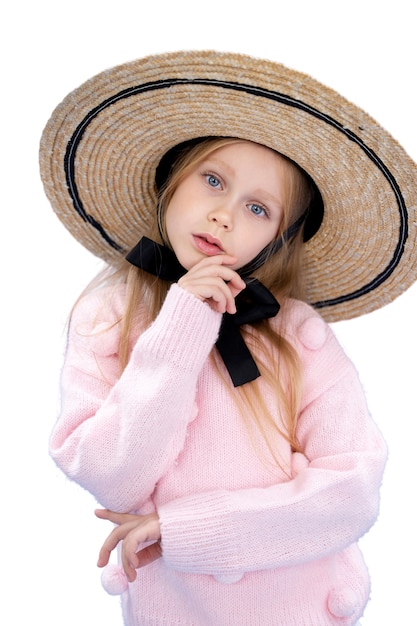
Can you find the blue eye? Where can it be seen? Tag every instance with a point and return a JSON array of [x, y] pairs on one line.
[[213, 181], [256, 209]]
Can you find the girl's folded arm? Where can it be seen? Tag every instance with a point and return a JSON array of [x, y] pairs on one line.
[[116, 434], [329, 504]]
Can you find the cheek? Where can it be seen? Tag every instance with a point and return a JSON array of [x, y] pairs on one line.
[[170, 217], [265, 237]]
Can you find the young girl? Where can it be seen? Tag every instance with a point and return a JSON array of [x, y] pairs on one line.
[[205, 401]]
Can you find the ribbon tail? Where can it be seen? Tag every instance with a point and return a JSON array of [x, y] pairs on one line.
[[236, 355]]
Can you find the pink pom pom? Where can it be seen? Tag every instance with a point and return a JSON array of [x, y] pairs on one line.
[[298, 462], [114, 580], [343, 602], [312, 333]]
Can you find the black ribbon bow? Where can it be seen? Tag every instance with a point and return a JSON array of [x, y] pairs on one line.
[[253, 304]]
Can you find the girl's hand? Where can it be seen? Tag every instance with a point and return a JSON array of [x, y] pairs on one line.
[[132, 530], [212, 281]]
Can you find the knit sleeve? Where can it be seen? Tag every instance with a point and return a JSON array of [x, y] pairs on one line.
[[330, 502], [116, 435]]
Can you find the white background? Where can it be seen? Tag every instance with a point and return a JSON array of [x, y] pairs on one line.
[[50, 538]]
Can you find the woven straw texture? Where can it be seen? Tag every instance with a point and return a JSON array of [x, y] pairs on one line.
[[100, 149]]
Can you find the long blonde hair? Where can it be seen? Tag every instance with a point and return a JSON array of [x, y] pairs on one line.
[[276, 358]]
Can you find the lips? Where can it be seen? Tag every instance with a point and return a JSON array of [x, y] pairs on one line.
[[208, 244]]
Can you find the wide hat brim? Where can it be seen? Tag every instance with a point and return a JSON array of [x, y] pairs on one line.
[[100, 150]]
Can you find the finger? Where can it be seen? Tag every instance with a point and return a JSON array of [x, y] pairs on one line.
[[112, 516], [130, 566], [223, 300], [236, 284], [211, 267], [133, 561], [226, 292], [132, 556], [218, 259], [236, 289], [218, 285], [118, 534], [214, 291]]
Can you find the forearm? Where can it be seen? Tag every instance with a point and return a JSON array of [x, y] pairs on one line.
[[331, 500], [229, 533], [117, 439]]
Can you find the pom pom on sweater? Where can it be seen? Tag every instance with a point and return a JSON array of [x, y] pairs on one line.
[[312, 333], [114, 580], [299, 462], [343, 602]]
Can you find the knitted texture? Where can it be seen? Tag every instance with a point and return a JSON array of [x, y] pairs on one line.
[[242, 543]]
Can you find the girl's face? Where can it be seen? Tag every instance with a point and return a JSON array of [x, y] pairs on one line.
[[230, 203]]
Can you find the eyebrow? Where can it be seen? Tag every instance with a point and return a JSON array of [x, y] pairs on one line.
[[226, 166], [270, 197]]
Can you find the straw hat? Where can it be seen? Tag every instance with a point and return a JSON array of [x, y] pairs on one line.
[[100, 150]]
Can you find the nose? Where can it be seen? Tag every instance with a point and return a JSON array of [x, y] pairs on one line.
[[222, 216]]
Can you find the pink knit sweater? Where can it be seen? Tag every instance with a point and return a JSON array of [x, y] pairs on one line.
[[243, 544]]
